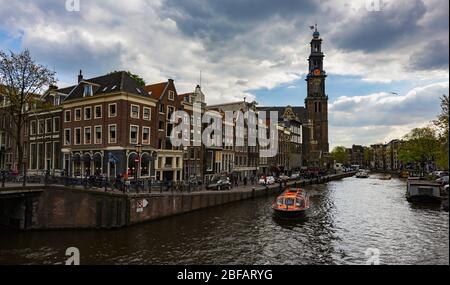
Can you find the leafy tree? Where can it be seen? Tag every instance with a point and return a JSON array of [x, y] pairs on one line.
[[421, 146], [442, 127], [21, 80], [339, 154], [136, 77], [368, 153]]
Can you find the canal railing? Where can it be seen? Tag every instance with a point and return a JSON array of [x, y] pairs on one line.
[[98, 183]]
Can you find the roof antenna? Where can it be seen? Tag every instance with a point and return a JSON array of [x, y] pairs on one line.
[[200, 83]]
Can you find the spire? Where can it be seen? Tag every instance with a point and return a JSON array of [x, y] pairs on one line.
[[316, 33]]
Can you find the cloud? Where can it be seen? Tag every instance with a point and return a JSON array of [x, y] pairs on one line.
[[243, 46], [383, 116], [434, 55], [371, 31]]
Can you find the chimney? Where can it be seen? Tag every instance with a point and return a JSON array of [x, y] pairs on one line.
[[197, 89], [80, 76]]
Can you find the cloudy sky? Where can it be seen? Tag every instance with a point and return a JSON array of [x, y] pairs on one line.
[[256, 49]]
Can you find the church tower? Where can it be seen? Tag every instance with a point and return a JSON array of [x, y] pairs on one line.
[[316, 104]]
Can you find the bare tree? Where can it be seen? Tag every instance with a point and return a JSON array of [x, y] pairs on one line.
[[22, 80]]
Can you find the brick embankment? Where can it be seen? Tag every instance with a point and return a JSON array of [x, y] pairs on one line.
[[56, 207]]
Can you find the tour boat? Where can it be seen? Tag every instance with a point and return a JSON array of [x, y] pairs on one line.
[[362, 174], [423, 191], [292, 203]]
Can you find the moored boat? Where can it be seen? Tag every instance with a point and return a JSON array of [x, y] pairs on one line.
[[292, 203], [386, 177], [404, 174], [423, 191], [362, 174]]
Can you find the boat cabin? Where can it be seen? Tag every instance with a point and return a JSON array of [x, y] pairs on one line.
[[419, 189]]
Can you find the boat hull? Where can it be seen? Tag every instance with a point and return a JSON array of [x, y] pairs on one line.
[[424, 199], [289, 214]]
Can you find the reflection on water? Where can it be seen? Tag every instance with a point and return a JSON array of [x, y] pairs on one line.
[[345, 219]]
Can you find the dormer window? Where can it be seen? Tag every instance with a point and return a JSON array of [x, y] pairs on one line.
[[171, 95], [87, 90], [56, 100]]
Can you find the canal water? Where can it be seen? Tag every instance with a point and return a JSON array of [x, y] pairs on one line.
[[347, 220]]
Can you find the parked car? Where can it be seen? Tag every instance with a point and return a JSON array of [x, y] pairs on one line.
[[443, 180], [282, 178], [219, 184], [295, 176], [440, 174], [268, 180]]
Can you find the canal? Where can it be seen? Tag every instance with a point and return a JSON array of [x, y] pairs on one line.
[[347, 218]]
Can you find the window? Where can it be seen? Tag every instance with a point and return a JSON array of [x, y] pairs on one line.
[[170, 111], [67, 137], [41, 153], [135, 111], [87, 90], [48, 125], [33, 128], [77, 136], [41, 126], [112, 110], [161, 108], [98, 134], [134, 137], [112, 133], [77, 115], [147, 115], [171, 95], [87, 113], [161, 126], [169, 162], [67, 116], [56, 100], [145, 135], [87, 135], [56, 153], [33, 156], [56, 124], [98, 112]]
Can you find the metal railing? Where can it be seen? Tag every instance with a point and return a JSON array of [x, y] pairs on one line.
[[99, 183]]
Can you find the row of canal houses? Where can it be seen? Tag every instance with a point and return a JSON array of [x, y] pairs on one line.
[[111, 125]]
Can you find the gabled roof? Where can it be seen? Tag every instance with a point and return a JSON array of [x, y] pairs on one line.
[[300, 112], [156, 90], [114, 82]]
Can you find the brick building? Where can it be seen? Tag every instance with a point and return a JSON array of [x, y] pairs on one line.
[[169, 165], [107, 127]]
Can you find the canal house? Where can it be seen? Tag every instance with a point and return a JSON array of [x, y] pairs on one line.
[[43, 134], [169, 164], [107, 127]]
